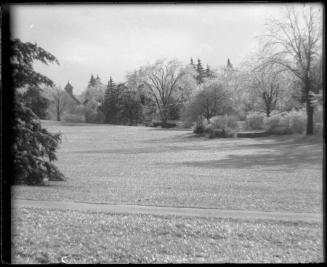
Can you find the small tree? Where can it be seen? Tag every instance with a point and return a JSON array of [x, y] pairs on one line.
[[211, 101], [60, 101], [265, 88]]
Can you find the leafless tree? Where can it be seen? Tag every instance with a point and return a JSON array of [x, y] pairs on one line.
[[60, 99], [265, 87], [294, 44], [165, 81]]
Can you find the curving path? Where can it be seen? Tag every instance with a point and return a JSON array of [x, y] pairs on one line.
[[172, 211]]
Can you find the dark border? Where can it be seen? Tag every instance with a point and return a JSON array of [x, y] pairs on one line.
[[6, 100], [6, 138]]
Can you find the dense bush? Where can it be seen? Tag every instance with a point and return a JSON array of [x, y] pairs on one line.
[[254, 120], [297, 121], [286, 122], [213, 132], [198, 128], [219, 126]]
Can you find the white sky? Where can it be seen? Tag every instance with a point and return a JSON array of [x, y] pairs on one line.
[[111, 40]]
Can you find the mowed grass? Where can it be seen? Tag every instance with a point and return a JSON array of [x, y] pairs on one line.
[[53, 236], [149, 166], [139, 165]]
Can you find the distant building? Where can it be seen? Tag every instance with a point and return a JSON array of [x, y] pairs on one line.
[[69, 89]]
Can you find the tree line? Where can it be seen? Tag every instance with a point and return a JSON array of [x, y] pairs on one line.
[[284, 73]]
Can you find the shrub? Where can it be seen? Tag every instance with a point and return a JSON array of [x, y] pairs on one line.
[[318, 129], [277, 124], [286, 122], [219, 126], [318, 114], [212, 132], [255, 121], [199, 126], [73, 118], [297, 121], [223, 122]]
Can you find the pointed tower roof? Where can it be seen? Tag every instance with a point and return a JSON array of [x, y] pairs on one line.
[[229, 64]]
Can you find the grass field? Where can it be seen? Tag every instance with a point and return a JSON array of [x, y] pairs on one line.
[[78, 237], [159, 167], [149, 166]]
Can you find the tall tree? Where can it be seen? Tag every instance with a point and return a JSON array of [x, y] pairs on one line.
[[60, 101], [201, 72], [164, 81], [34, 147], [294, 43], [110, 103]]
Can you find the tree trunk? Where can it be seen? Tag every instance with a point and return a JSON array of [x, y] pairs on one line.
[[309, 110], [268, 111], [58, 116]]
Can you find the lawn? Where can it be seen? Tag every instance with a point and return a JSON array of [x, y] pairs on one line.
[[53, 236], [149, 166], [161, 167]]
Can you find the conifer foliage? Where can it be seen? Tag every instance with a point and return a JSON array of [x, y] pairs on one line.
[[34, 147]]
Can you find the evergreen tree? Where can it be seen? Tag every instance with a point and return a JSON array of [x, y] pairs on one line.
[[229, 64], [208, 72], [201, 72], [111, 85], [92, 81], [34, 147], [97, 81], [192, 63], [110, 103]]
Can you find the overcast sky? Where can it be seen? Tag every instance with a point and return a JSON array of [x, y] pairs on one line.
[[112, 40]]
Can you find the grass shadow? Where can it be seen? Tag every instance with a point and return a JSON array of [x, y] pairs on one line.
[[289, 153]]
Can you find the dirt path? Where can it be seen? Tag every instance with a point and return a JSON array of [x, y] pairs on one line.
[[154, 210]]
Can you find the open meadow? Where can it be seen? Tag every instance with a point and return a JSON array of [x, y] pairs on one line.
[[160, 167], [173, 168]]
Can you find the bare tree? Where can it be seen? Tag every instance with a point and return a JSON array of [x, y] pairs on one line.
[[265, 87], [294, 44], [165, 81], [60, 100]]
